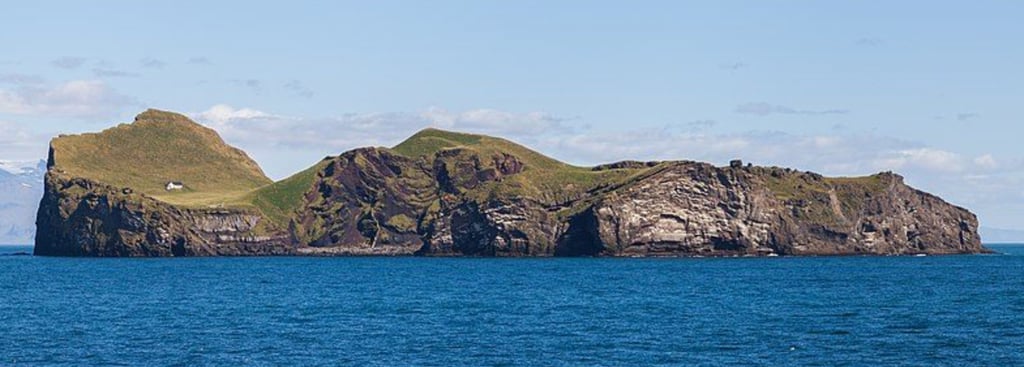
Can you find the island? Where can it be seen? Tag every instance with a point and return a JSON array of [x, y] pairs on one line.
[[167, 186]]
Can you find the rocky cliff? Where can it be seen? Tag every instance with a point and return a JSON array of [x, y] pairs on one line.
[[448, 194], [80, 217]]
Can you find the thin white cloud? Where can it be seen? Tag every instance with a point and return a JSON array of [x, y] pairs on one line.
[[253, 84], [764, 109], [152, 63], [732, 66], [964, 116], [222, 115], [77, 98], [68, 62], [21, 79], [870, 41], [18, 143], [486, 120], [925, 158], [839, 154], [113, 73], [361, 129], [986, 161], [299, 89], [11, 133]]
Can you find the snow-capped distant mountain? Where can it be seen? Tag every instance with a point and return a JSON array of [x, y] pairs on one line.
[[21, 188]]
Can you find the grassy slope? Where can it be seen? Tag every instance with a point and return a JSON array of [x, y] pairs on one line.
[[160, 147], [815, 193], [544, 178], [280, 199]]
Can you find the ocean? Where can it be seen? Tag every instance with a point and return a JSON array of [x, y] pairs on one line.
[[812, 311]]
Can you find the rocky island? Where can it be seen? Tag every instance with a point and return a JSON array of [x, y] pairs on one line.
[[167, 186]]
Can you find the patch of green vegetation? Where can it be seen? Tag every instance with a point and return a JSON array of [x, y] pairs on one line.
[[853, 192], [543, 178], [161, 147], [824, 200], [429, 141], [402, 222], [280, 199]]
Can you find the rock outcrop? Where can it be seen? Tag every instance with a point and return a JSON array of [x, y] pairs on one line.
[[449, 194], [80, 217], [703, 210]]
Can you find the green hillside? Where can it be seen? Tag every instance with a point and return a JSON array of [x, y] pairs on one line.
[[280, 199], [160, 147], [544, 178]]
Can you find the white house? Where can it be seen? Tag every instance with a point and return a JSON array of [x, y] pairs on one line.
[[175, 185]]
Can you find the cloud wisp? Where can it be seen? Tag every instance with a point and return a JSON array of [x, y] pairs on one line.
[[732, 66], [251, 126], [151, 63], [255, 85], [21, 79], [18, 143], [113, 73], [765, 109], [298, 88], [76, 98], [68, 62]]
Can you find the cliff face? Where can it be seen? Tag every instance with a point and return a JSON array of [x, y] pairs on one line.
[[79, 217], [703, 210], [449, 194], [372, 201]]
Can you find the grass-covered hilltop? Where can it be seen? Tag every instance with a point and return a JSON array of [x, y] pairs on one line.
[[158, 148], [166, 186]]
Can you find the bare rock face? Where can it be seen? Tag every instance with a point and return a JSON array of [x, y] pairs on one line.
[[366, 202], [683, 209], [374, 202], [697, 209], [496, 228]]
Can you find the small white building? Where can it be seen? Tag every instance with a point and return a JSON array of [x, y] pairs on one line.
[[175, 185]]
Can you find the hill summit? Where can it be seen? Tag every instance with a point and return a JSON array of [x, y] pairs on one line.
[[166, 186], [156, 149]]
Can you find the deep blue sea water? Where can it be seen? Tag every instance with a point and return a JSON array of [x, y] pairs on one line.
[[828, 311]]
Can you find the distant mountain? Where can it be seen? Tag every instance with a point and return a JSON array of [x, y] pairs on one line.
[[21, 188], [999, 235]]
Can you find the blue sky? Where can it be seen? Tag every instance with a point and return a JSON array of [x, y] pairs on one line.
[[929, 89]]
